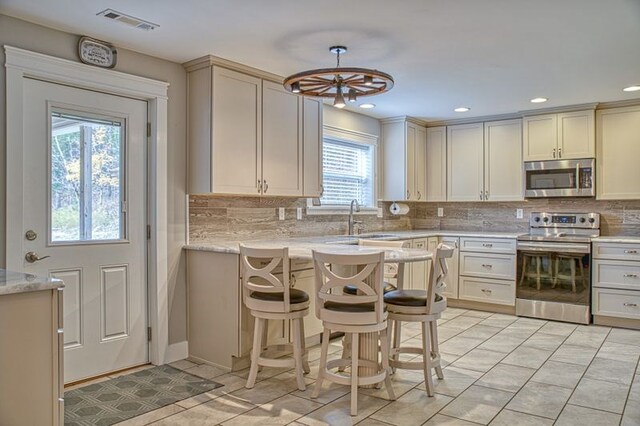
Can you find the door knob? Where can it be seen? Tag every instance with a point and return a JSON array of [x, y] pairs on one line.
[[32, 257]]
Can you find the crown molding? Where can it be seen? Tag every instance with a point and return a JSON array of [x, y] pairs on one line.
[[210, 60], [566, 108], [403, 118], [619, 104], [471, 120]]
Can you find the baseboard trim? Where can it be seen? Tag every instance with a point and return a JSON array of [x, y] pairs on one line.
[[479, 306], [616, 322]]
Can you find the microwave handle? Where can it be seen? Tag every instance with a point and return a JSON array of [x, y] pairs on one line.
[[577, 176]]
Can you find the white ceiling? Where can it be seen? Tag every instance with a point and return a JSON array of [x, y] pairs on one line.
[[490, 55]]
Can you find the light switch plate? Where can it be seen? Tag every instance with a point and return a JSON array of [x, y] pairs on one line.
[[380, 212], [440, 212], [299, 213], [281, 213], [519, 214]]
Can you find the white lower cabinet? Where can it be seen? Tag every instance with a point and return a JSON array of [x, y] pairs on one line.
[[305, 281], [487, 269], [451, 291], [616, 282]]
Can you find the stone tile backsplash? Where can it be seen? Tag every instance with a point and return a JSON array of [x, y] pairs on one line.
[[254, 217]]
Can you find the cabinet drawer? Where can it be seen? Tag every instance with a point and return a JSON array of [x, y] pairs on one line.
[[616, 251], [496, 266], [488, 291], [616, 303], [488, 245], [616, 274]]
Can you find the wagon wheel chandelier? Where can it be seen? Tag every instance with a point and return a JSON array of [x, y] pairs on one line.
[[337, 82]]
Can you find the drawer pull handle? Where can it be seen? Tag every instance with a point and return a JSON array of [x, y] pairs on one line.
[[487, 245], [486, 265], [633, 305], [631, 251], [486, 291], [631, 275]]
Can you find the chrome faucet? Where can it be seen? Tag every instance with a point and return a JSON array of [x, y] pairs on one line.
[[352, 222]]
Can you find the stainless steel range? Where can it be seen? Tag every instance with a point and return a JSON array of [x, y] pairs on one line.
[[553, 278]]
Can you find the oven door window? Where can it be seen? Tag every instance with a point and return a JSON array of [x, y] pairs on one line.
[[551, 179], [553, 277]]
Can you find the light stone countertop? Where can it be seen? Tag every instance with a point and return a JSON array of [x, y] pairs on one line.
[[617, 239], [17, 282], [300, 247]]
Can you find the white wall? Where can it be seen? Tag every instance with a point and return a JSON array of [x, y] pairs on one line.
[[25, 35], [350, 120]]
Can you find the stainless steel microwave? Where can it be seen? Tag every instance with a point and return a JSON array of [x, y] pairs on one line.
[[559, 178]]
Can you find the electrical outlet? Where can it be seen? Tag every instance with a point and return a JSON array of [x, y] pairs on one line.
[[281, 213], [299, 213], [440, 212], [380, 213], [519, 214]]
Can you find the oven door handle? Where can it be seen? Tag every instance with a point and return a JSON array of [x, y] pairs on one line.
[[555, 248]]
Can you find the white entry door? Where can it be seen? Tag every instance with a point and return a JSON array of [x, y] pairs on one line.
[[84, 219]]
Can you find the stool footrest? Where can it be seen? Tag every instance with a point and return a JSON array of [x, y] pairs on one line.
[[278, 363]]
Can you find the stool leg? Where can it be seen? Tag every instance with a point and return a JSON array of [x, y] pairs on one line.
[[297, 353], [324, 349], [255, 351], [525, 261], [397, 335], [435, 349], [384, 348], [426, 358], [538, 272], [354, 374], [555, 276], [305, 352], [573, 275], [582, 277]]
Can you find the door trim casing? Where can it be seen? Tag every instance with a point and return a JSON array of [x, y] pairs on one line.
[[22, 64]]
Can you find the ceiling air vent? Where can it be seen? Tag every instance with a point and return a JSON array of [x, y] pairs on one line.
[[128, 20]]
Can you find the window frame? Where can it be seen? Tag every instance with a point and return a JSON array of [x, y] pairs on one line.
[[350, 136]]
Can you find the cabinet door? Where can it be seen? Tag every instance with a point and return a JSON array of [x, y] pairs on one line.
[[312, 147], [576, 135], [281, 141], [419, 269], [451, 291], [236, 121], [436, 166], [305, 281], [540, 137], [503, 160], [421, 164], [465, 171], [618, 151], [410, 160]]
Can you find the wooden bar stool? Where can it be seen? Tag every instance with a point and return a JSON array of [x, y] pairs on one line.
[[269, 297], [571, 260], [356, 315], [539, 273], [424, 307]]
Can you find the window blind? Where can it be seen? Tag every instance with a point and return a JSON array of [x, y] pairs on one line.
[[348, 173]]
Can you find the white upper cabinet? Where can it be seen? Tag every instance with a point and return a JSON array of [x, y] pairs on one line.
[[404, 161], [281, 141], [618, 154], [312, 147], [563, 136], [503, 160], [249, 136], [465, 164], [484, 161], [236, 133], [436, 170]]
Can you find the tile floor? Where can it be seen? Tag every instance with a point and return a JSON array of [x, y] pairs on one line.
[[500, 370]]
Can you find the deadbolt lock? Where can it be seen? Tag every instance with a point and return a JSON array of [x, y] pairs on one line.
[[31, 235]]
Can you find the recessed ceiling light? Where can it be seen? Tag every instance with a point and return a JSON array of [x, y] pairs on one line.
[[462, 109], [367, 106], [633, 88], [539, 100]]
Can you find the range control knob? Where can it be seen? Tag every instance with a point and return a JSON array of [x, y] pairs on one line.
[[583, 220], [537, 218], [546, 219], [591, 220]]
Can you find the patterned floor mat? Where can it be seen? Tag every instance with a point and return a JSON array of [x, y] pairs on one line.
[[124, 397]]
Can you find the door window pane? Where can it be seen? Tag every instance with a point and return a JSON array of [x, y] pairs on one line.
[[86, 166]]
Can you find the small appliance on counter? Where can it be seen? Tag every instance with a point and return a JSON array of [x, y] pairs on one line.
[[553, 278], [559, 178]]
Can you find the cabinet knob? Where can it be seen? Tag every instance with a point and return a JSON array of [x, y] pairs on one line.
[[554, 153], [419, 195], [486, 291], [481, 195], [633, 305], [631, 275], [631, 251], [266, 186], [486, 265], [408, 195], [487, 245], [560, 154], [259, 186]]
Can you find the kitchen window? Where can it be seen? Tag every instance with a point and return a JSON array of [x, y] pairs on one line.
[[348, 164]]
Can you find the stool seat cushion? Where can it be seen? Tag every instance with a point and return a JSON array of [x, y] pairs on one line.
[[350, 307], [295, 296], [408, 298], [353, 290]]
